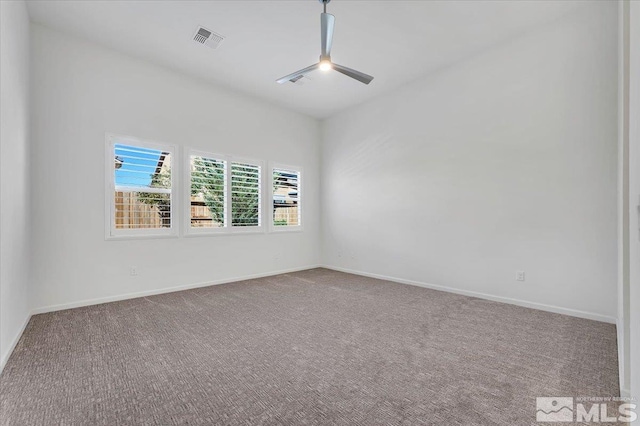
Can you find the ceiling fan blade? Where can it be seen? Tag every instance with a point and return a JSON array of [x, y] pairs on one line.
[[327, 23], [298, 73], [360, 76]]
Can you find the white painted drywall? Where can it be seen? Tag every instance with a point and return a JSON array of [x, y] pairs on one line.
[[623, 195], [82, 90], [634, 202], [14, 174], [506, 161]]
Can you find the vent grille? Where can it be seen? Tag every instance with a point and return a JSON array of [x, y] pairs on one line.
[[202, 35], [207, 37]]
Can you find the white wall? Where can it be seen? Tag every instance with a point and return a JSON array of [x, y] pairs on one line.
[[14, 174], [82, 90], [634, 207], [503, 162], [623, 195]]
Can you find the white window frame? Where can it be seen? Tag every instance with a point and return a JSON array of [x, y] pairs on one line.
[[111, 233], [190, 231], [261, 228], [301, 194]]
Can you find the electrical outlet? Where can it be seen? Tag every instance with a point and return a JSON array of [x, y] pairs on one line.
[[519, 275], [133, 271]]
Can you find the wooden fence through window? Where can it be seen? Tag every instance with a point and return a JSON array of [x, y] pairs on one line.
[[131, 213]]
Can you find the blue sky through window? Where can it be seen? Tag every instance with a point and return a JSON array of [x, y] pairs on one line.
[[138, 164]]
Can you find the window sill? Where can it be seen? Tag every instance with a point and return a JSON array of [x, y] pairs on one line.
[[285, 229], [223, 233], [139, 237]]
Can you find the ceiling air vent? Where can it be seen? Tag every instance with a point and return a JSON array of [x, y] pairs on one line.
[[207, 37]]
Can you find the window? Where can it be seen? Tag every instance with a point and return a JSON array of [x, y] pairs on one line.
[[225, 194], [140, 182], [246, 210], [208, 189], [286, 198]]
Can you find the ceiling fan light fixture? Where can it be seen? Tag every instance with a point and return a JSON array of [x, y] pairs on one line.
[[325, 65]]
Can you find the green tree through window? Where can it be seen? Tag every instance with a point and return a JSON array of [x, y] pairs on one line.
[[160, 179], [207, 178], [245, 195]]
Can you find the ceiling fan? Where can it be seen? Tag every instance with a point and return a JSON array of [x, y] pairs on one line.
[[327, 23]]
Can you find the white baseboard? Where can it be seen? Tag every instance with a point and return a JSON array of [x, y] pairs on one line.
[[100, 300], [15, 341], [621, 354], [524, 303]]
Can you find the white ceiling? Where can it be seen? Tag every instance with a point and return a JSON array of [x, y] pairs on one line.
[[395, 41]]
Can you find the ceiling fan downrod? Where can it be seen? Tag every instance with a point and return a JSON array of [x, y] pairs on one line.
[[324, 4]]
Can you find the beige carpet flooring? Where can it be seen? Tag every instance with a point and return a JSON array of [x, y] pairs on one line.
[[316, 347]]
